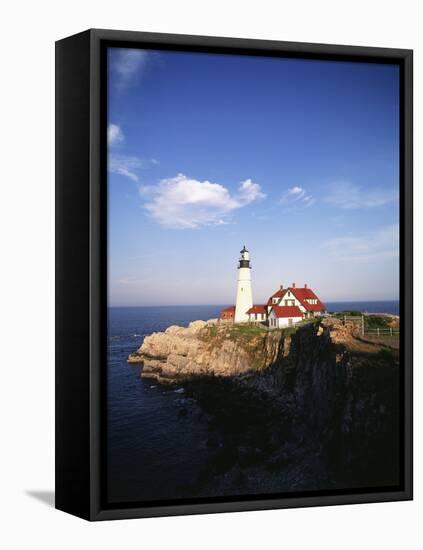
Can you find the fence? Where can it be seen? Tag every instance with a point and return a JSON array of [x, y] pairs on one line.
[[360, 320], [381, 331], [367, 331]]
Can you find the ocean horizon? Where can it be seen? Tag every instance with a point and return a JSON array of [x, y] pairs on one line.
[[391, 307]]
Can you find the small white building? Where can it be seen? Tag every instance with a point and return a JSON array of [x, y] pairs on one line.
[[257, 314], [284, 316]]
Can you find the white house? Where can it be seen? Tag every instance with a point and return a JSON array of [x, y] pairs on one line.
[[304, 298], [284, 316], [305, 301]]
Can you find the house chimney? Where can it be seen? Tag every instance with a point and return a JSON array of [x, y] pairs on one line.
[[305, 285], [281, 287], [293, 285]]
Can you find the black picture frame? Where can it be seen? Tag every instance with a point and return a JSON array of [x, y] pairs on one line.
[[81, 274]]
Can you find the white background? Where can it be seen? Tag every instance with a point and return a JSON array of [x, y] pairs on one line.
[[28, 32]]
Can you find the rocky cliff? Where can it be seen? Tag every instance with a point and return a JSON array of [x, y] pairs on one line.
[[318, 405], [208, 349]]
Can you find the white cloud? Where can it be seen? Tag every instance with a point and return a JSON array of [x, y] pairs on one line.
[[349, 196], [296, 192], [128, 64], [128, 166], [124, 166], [182, 202], [376, 245], [114, 134], [296, 197], [249, 191]]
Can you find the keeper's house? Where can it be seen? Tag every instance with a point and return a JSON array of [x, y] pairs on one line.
[[304, 298], [287, 306]]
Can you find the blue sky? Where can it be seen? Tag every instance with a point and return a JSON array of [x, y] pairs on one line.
[[297, 159]]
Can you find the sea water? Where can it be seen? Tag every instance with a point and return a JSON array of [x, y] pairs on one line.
[[155, 450]]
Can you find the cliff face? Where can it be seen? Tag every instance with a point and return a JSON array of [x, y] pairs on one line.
[[319, 392], [207, 349], [344, 394]]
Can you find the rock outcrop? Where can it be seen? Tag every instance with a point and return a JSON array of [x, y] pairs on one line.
[[310, 396], [207, 349]]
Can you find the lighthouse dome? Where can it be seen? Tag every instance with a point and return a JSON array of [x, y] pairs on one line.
[[245, 255]]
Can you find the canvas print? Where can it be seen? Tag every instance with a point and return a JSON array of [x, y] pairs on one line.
[[253, 276]]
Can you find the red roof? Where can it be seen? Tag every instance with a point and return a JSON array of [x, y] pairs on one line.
[[287, 311], [228, 309], [257, 309], [303, 294], [278, 294]]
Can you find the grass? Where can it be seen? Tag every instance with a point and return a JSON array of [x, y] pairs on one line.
[[251, 338], [212, 331], [371, 321], [232, 331], [246, 329], [289, 331], [347, 313], [377, 321]]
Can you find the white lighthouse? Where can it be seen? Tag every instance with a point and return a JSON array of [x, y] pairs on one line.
[[244, 295]]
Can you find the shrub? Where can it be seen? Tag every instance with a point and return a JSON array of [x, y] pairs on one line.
[[376, 321]]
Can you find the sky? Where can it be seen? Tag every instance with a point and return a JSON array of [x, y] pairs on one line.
[[296, 159]]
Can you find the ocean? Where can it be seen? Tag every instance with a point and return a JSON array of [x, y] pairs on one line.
[[158, 437], [153, 451], [365, 307]]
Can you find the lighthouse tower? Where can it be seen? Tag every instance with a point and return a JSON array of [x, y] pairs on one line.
[[244, 295]]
